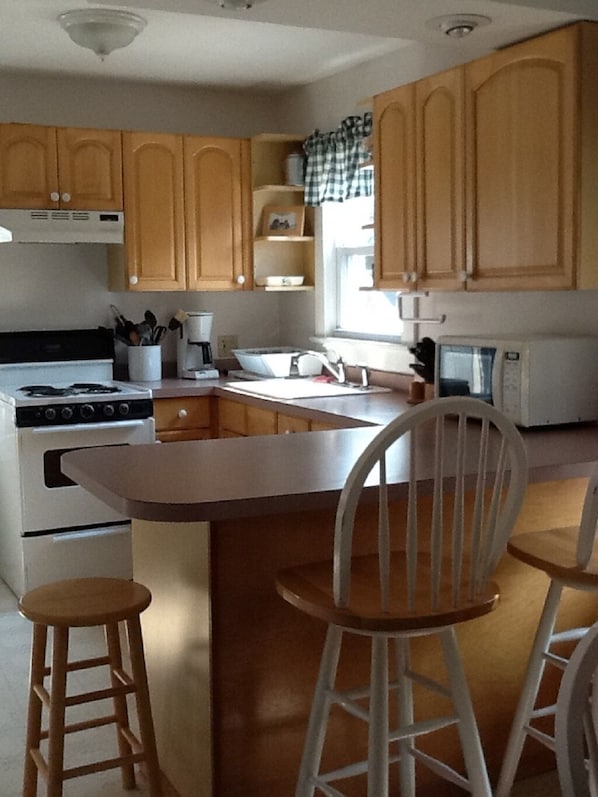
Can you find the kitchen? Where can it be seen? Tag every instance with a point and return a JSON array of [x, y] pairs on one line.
[[75, 278]]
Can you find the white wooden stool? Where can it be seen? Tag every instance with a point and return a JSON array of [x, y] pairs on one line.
[[85, 603]]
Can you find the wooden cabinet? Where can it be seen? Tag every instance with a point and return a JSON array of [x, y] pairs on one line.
[[217, 213], [279, 255], [419, 184], [486, 173], [69, 168], [289, 424], [522, 162], [236, 419], [186, 214], [186, 418]]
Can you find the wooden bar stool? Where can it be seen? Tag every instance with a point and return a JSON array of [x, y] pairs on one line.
[[569, 559], [84, 603], [432, 559]]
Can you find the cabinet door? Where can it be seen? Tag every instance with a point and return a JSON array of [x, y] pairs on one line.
[[154, 223], [395, 188], [28, 166], [186, 418], [232, 418], [260, 421], [289, 424], [90, 169], [522, 119], [217, 208], [439, 178]]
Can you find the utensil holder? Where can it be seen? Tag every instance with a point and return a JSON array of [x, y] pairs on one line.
[[145, 363]]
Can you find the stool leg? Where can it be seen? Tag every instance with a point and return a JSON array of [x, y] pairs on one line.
[[144, 711], [471, 745], [529, 693], [378, 720], [318, 718], [34, 711], [405, 698], [57, 711], [120, 703]]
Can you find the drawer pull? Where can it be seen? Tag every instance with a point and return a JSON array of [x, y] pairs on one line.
[[182, 413]]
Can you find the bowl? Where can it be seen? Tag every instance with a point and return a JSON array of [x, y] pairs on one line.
[[279, 281], [276, 361]]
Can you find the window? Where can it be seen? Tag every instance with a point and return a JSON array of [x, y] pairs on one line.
[[353, 308]]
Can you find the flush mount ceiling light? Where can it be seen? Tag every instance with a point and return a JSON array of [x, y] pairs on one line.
[[456, 26], [101, 29], [238, 5]]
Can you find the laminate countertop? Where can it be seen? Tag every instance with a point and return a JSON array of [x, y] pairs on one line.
[[245, 477]]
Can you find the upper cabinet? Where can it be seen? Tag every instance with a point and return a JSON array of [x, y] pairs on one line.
[[69, 168], [186, 214], [280, 254], [217, 213], [522, 159], [497, 192], [419, 154]]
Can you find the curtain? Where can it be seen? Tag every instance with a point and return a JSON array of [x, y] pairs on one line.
[[332, 172]]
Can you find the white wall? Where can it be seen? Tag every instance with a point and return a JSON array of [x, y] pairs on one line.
[[52, 286], [60, 286]]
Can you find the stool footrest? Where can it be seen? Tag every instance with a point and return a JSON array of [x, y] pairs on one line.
[[82, 664], [84, 725], [102, 766], [98, 694]]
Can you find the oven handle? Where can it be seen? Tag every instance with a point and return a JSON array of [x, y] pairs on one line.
[[91, 427], [87, 534]]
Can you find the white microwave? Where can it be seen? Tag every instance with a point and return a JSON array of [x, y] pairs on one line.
[[535, 380]]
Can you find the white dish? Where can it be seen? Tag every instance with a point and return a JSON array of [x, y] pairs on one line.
[[280, 281], [276, 361]]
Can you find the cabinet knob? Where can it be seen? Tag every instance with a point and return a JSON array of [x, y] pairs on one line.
[[463, 275], [410, 276], [241, 279], [54, 196], [133, 280], [182, 413], [66, 197]]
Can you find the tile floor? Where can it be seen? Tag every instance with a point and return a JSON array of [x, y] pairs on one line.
[[15, 639]]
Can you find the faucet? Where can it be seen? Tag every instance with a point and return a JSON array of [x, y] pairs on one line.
[[338, 373]]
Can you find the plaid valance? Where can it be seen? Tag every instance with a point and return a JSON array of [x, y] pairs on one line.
[[332, 172]]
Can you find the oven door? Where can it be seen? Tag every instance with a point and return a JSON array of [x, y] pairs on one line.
[[49, 499]]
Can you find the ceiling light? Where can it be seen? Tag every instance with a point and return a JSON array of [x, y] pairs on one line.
[[456, 26], [101, 29]]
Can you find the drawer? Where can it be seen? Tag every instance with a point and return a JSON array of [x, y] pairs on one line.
[[189, 412]]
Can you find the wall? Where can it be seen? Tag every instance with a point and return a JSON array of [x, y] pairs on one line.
[[60, 286]]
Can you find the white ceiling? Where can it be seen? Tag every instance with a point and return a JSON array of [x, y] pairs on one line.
[[275, 45]]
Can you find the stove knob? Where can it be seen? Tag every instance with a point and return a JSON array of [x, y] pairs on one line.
[[66, 413], [50, 414], [123, 409], [87, 411], [108, 410]]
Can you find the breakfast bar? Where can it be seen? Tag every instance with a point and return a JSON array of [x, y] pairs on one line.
[[232, 667]]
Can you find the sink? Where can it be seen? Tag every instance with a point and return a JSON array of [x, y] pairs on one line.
[[302, 388]]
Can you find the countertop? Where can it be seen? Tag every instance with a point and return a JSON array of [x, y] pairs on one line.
[[244, 477]]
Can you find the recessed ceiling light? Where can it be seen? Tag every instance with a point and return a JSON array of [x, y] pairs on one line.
[[456, 26]]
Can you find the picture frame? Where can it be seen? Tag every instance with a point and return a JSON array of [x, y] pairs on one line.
[[283, 220]]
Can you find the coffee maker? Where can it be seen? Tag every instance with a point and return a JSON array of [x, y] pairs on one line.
[[194, 350]]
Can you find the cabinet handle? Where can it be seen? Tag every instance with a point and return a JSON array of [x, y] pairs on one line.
[[66, 197], [241, 279], [54, 196], [133, 280], [410, 276], [182, 413], [463, 276]]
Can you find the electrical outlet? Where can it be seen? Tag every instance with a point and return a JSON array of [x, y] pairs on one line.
[[226, 344]]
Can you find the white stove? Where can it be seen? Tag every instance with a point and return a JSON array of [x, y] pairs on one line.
[[56, 395]]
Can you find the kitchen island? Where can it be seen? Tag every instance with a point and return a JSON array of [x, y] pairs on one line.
[[232, 667]]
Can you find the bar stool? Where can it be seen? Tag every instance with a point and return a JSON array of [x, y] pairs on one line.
[[568, 558], [430, 569], [85, 603]]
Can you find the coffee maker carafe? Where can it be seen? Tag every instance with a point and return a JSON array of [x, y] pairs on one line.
[[194, 349]]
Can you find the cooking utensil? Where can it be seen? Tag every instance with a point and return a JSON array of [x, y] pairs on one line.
[[144, 331], [150, 318], [158, 333]]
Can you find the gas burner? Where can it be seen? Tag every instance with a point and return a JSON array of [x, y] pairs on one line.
[[40, 391], [94, 387]]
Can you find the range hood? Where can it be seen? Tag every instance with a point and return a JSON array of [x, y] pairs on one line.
[[63, 226]]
